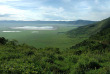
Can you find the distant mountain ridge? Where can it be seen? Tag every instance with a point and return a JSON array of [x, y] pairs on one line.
[[84, 22], [77, 22], [90, 29]]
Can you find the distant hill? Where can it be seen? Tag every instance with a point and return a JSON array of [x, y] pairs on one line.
[[77, 22], [83, 22], [90, 29]]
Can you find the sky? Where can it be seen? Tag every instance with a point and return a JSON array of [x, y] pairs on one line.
[[54, 10]]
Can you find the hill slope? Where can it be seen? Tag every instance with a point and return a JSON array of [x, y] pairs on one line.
[[91, 56], [101, 40], [90, 29]]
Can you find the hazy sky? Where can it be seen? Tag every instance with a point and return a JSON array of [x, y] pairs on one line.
[[54, 9]]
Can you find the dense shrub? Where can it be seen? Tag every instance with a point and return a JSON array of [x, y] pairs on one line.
[[3, 40]]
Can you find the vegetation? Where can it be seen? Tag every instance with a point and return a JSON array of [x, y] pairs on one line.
[[91, 56], [91, 29], [42, 39]]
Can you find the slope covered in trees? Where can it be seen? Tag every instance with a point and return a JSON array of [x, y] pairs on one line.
[[98, 42], [90, 29]]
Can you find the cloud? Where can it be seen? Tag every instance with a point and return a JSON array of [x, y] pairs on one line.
[[96, 1], [36, 14], [66, 0], [52, 9], [3, 1], [49, 12], [14, 13], [5, 15], [19, 14], [84, 5], [28, 10]]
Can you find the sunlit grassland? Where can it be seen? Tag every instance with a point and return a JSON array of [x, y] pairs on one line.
[[45, 38]]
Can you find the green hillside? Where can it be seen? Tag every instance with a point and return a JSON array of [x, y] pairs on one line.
[[99, 41], [91, 56], [88, 30]]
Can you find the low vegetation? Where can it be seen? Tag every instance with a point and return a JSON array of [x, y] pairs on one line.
[[91, 56]]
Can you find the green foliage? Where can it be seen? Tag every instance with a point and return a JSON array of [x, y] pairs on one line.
[[91, 56], [3, 40], [88, 30], [85, 57]]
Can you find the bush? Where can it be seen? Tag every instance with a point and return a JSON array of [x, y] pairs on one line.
[[84, 65], [3, 40]]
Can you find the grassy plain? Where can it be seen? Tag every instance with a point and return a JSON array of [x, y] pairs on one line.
[[44, 38]]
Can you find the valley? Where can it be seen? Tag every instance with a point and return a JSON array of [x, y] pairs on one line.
[[89, 56], [54, 36], [35, 34]]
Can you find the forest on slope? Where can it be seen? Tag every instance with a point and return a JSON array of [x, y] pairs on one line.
[[91, 56], [90, 29]]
